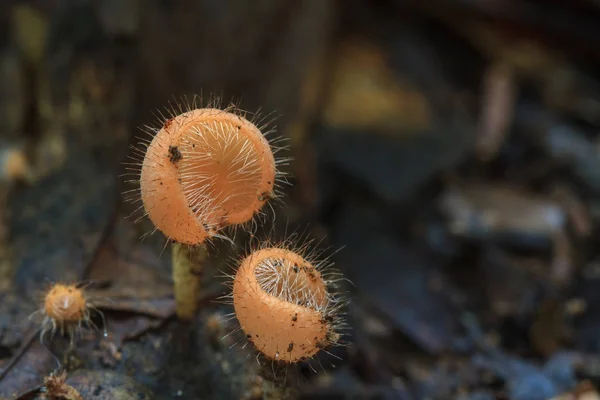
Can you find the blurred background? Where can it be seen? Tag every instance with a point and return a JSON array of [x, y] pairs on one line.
[[449, 148]]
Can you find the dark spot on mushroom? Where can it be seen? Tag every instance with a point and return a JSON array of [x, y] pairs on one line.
[[264, 196], [327, 320], [290, 347], [295, 317], [174, 154]]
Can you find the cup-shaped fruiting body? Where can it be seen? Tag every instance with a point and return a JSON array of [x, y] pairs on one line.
[[66, 309], [205, 169], [283, 304]]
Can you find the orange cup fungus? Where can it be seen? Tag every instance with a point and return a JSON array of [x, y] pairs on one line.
[[66, 309], [206, 169], [284, 306]]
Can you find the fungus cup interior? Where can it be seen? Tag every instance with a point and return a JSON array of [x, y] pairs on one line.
[[206, 169], [281, 300]]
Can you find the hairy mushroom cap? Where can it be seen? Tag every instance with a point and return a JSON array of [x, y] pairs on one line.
[[67, 309], [205, 169], [283, 306], [65, 304]]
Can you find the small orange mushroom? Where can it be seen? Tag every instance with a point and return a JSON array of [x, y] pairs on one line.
[[284, 305], [65, 304], [66, 309]]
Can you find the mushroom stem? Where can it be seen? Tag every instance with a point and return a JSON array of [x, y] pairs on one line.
[[187, 268]]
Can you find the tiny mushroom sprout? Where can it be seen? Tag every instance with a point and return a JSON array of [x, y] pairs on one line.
[[66, 309], [204, 169]]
